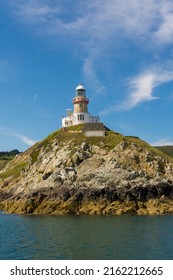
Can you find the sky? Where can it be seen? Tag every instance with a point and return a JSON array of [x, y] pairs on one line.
[[121, 51]]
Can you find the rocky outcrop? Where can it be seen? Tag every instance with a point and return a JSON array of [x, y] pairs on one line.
[[68, 176]]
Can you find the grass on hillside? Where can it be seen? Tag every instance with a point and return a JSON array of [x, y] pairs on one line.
[[152, 149], [14, 171], [5, 157], [75, 137], [3, 163], [168, 150], [4, 160]]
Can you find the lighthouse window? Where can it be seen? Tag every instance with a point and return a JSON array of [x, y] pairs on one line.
[[80, 117], [80, 92]]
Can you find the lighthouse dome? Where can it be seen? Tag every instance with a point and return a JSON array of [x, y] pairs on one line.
[[80, 90], [80, 87]]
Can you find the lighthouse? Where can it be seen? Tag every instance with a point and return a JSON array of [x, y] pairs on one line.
[[80, 101], [80, 114]]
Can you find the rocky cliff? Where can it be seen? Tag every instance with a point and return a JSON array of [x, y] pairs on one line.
[[68, 173]]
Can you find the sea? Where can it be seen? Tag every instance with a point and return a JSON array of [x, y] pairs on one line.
[[126, 237]]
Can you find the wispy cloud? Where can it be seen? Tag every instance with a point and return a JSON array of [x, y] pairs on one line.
[[164, 33], [91, 75], [25, 139], [93, 25], [98, 21], [34, 11], [141, 88], [163, 142], [100, 27]]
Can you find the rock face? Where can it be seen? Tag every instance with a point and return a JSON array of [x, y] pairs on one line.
[[68, 173]]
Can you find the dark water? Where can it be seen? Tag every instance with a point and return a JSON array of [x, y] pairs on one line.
[[86, 237]]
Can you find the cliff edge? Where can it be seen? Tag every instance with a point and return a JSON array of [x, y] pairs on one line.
[[69, 173]]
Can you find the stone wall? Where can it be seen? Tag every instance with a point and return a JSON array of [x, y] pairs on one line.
[[94, 133]]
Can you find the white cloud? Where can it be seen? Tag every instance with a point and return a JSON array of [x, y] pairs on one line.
[[143, 85], [164, 33], [25, 139], [141, 89], [91, 76], [163, 142], [94, 26], [33, 11], [97, 21], [98, 27]]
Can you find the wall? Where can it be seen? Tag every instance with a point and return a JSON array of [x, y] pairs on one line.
[[86, 118], [94, 133], [73, 119], [80, 108], [67, 119]]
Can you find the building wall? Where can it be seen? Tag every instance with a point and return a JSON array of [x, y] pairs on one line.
[[67, 121], [79, 118], [94, 119], [80, 107], [94, 133]]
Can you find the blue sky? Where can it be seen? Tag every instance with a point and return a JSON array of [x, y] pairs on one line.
[[122, 52]]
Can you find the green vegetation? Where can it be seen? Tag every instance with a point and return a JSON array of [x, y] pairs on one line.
[[5, 157], [61, 137], [3, 163], [146, 146], [9, 154], [74, 137], [112, 139], [13, 171], [48, 140], [76, 128], [34, 155], [168, 150]]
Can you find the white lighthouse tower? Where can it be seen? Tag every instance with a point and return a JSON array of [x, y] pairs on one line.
[[80, 114]]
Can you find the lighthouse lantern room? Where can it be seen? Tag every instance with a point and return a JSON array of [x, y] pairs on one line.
[[80, 114]]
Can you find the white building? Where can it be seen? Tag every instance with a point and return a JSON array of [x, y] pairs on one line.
[[80, 114]]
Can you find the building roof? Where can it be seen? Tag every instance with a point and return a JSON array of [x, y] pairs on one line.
[[80, 87], [94, 127]]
